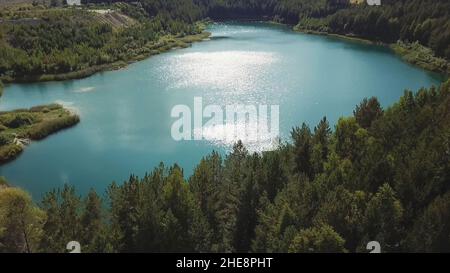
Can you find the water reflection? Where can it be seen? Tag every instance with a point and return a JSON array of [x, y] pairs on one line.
[[230, 71]]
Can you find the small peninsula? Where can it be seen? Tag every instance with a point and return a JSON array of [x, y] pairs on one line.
[[19, 127]]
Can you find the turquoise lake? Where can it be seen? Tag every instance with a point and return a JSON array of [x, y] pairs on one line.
[[126, 118]]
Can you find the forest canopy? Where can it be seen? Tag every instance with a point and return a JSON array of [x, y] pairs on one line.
[[381, 174]]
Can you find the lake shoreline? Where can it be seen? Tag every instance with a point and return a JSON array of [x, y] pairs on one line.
[[426, 61], [163, 45], [169, 43], [423, 57]]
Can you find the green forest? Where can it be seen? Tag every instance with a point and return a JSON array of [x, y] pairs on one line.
[[37, 40], [381, 174]]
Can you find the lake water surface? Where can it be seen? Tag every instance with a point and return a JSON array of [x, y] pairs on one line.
[[126, 115]]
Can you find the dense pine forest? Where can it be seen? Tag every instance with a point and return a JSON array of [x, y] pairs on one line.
[[38, 39], [381, 174]]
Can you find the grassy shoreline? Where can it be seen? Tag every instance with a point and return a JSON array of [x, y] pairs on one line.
[[340, 36], [19, 127], [163, 45], [421, 56], [414, 54]]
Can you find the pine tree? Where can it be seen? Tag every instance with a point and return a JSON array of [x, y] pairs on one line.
[[344, 211], [302, 150], [92, 223], [229, 197], [320, 150], [205, 183], [125, 214], [150, 234], [346, 138], [69, 211], [246, 217], [51, 239], [275, 175], [383, 218], [367, 112], [180, 214]]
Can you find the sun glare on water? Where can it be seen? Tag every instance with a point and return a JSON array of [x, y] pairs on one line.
[[230, 77], [239, 72]]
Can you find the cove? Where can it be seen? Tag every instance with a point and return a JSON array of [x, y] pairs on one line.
[[126, 118]]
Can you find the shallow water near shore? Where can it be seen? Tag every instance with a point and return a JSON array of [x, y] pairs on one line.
[[126, 118]]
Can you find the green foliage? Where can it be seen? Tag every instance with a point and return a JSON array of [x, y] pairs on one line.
[[64, 220], [3, 182], [303, 148], [425, 21], [69, 218], [65, 41], [48, 127], [18, 126], [367, 112], [17, 120], [386, 182], [20, 221], [347, 138], [290, 211], [321, 239], [9, 151], [422, 56], [345, 211], [431, 232], [158, 213], [383, 218], [93, 229]]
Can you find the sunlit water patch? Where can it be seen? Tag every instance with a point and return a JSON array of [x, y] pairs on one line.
[[227, 71], [247, 133]]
